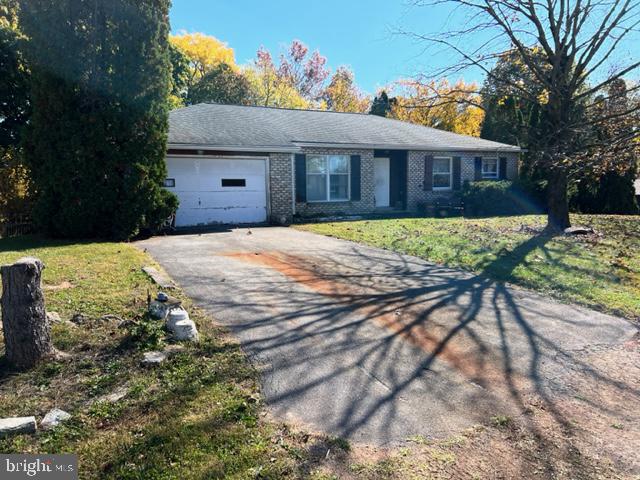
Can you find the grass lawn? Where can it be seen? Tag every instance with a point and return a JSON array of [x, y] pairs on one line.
[[601, 271], [196, 416]]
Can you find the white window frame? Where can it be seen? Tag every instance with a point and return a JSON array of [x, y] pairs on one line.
[[328, 178], [434, 173], [490, 176]]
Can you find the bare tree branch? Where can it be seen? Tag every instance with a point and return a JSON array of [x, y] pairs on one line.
[[564, 45]]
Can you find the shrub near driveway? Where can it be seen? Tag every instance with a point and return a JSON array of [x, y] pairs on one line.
[[601, 271]]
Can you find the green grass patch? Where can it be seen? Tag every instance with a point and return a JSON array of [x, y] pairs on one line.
[[198, 415], [601, 271]]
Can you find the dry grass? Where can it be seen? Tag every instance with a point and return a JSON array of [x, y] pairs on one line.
[[196, 416]]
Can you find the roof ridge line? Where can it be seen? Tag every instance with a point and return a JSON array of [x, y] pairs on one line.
[[332, 111], [267, 107]]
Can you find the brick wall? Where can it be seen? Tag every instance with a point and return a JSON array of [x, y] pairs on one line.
[[281, 183], [415, 174], [280, 187]]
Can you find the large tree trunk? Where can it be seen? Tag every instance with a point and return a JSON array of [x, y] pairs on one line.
[[27, 333], [559, 138], [557, 202]]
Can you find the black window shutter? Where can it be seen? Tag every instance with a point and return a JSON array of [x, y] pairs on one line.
[[428, 172], [355, 178], [477, 170], [301, 177], [503, 168], [457, 173]]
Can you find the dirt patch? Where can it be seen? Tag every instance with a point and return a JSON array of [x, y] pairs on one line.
[[513, 450], [61, 286], [603, 405]]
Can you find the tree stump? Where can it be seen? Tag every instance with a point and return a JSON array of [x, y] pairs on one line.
[[27, 333]]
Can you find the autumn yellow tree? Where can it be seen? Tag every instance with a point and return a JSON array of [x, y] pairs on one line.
[[343, 95], [204, 52], [269, 88], [440, 105]]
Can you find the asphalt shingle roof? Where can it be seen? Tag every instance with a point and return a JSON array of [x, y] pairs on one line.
[[264, 127]]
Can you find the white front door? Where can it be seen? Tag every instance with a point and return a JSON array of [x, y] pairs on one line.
[[218, 190], [381, 175]]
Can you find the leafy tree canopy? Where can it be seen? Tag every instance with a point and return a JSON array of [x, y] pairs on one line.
[[382, 104], [204, 53], [268, 87], [221, 85], [304, 72], [180, 76], [510, 116], [342, 94], [440, 105], [14, 113]]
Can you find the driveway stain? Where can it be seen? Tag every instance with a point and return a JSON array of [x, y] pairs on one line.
[[293, 267], [476, 363], [377, 347]]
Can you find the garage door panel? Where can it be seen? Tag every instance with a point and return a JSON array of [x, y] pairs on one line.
[[213, 215], [214, 166], [219, 190]]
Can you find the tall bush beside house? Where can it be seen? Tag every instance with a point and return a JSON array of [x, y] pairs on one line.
[[96, 140]]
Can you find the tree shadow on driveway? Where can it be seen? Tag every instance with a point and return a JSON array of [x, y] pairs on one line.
[[378, 347]]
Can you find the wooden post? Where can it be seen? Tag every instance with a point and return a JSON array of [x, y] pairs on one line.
[[27, 333]]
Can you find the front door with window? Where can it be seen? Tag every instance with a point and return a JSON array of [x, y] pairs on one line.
[[382, 176]]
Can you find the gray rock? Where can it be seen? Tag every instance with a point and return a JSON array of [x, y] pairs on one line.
[[54, 418], [17, 425], [154, 358], [116, 395], [54, 317], [160, 278], [175, 315], [185, 331]]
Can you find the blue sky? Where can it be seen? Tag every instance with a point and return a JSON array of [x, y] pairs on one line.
[[357, 33]]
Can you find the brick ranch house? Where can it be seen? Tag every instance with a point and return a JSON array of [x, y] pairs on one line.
[[239, 164]]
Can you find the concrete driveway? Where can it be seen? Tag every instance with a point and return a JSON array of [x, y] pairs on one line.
[[378, 347]]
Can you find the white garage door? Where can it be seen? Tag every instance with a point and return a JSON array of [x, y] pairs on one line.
[[218, 190]]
